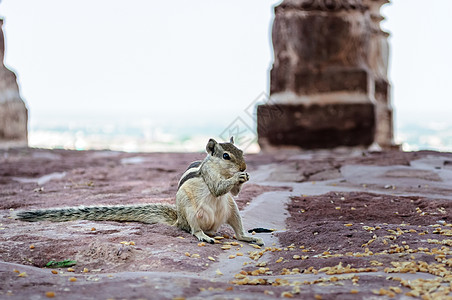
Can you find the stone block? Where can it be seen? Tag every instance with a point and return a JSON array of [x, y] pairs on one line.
[[13, 124], [316, 126], [339, 80]]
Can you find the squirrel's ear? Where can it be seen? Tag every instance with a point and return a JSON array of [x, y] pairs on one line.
[[210, 147], [231, 140]]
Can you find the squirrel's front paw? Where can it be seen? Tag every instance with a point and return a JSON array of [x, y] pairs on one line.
[[243, 177]]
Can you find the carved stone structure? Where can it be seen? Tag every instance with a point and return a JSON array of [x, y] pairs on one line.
[[328, 84], [13, 113]]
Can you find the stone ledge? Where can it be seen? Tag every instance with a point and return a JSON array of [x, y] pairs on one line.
[[325, 205]]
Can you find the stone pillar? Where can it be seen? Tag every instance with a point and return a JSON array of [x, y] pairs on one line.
[[13, 113], [378, 63], [322, 83]]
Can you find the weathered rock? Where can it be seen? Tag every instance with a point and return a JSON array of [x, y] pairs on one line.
[[329, 72], [13, 112]]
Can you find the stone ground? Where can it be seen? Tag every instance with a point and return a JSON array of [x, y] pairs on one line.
[[348, 225]]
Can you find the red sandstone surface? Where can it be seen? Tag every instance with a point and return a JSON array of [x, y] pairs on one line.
[[356, 225]]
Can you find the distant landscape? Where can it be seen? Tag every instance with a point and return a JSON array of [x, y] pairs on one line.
[[142, 136]]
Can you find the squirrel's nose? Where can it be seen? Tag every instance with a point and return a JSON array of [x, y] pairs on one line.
[[242, 167]]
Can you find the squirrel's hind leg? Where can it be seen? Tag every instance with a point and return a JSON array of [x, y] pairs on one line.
[[194, 229], [200, 235]]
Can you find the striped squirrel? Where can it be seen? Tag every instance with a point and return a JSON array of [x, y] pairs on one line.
[[203, 200]]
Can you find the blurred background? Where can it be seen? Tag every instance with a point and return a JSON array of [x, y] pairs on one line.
[[167, 75]]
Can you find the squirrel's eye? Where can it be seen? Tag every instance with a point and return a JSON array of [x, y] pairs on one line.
[[226, 156]]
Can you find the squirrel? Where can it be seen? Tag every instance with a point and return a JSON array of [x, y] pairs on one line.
[[204, 199]]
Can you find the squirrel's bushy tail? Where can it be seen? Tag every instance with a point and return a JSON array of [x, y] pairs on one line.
[[145, 213]]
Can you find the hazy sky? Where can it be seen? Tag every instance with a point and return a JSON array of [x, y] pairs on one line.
[[196, 62], [171, 61], [421, 60]]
